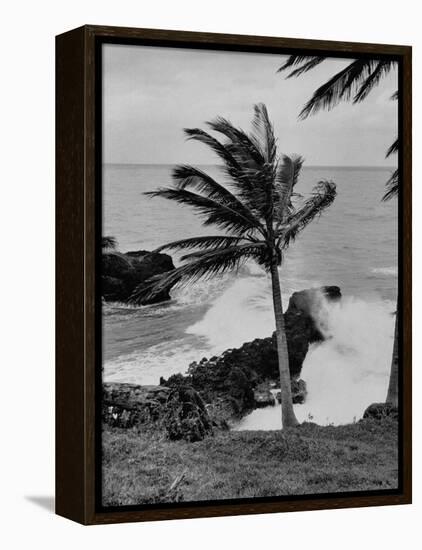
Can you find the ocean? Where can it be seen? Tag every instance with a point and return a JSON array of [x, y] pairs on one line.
[[352, 245]]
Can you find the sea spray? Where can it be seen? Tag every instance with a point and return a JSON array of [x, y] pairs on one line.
[[345, 373], [228, 312], [243, 312]]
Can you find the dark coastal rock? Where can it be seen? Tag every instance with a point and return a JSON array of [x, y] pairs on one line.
[[263, 398], [122, 273], [301, 329], [309, 300], [127, 405], [379, 411], [186, 416], [227, 390], [179, 411]]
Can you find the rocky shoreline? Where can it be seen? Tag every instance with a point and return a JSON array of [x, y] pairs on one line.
[[122, 273], [216, 392]]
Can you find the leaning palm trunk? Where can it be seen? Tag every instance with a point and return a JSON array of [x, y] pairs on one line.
[[288, 417], [258, 210], [393, 386]]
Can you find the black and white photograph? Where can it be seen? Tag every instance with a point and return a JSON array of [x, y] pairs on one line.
[[249, 275]]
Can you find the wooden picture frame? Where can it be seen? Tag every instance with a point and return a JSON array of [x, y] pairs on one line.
[[78, 192]]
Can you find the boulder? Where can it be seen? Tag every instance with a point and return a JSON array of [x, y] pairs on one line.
[[122, 273], [179, 411], [263, 398], [309, 300], [127, 405], [379, 411], [301, 329]]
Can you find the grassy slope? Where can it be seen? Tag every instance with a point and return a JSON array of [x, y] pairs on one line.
[[141, 467]]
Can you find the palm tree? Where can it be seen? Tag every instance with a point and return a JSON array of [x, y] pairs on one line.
[[257, 210], [355, 81]]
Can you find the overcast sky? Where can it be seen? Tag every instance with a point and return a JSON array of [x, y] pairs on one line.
[[150, 94]]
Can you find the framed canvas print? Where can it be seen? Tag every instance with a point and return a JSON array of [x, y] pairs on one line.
[[233, 274]]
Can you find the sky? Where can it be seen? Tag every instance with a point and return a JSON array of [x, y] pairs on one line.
[[150, 94]]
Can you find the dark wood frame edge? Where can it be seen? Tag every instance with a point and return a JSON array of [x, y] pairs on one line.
[[75, 274]]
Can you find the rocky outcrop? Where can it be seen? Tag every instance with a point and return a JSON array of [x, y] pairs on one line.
[[222, 389], [379, 411], [121, 273], [299, 320], [227, 382], [179, 411], [127, 405], [263, 398]]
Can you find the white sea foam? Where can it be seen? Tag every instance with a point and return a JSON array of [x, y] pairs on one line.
[[146, 366], [240, 310], [386, 271], [243, 312], [346, 372]]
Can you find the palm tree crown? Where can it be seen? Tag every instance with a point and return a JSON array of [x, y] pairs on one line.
[[354, 82], [258, 209]]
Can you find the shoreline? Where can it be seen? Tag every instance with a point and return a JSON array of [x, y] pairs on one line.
[[236, 382]]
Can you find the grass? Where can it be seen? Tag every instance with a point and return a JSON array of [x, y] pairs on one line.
[[144, 467]]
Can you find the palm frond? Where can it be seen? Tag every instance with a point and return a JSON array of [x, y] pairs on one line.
[[249, 160], [373, 79], [395, 96], [212, 241], [243, 149], [323, 195], [287, 177], [392, 186], [394, 147], [340, 86], [263, 135], [212, 263], [235, 171], [188, 176], [200, 135], [255, 154], [108, 243], [214, 212], [197, 254], [307, 63]]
